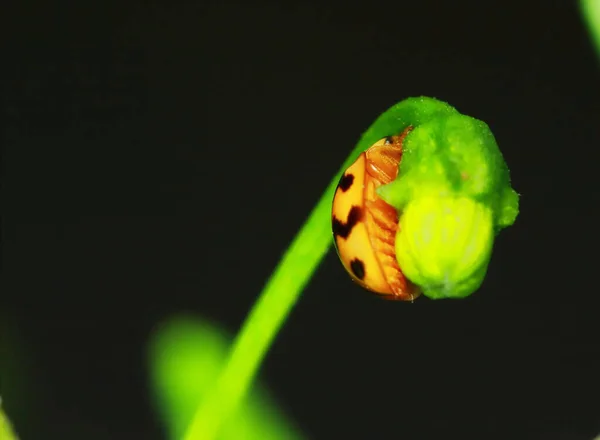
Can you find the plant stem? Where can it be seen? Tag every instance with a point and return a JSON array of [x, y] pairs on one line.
[[279, 295]]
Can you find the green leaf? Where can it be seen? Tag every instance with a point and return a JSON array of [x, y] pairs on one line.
[[186, 356], [6, 429]]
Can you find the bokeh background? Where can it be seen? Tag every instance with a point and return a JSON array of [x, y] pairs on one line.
[[159, 156]]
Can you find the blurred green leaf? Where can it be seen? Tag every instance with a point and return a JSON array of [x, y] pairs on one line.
[[186, 357], [590, 10], [6, 429]]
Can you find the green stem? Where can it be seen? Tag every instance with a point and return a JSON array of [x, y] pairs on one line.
[[279, 295]]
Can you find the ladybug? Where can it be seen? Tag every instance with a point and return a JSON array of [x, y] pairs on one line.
[[364, 226]]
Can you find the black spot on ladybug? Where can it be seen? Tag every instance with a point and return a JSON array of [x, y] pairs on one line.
[[341, 229], [346, 182], [358, 268], [388, 140]]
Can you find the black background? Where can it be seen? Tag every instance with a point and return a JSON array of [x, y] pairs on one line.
[[159, 156]]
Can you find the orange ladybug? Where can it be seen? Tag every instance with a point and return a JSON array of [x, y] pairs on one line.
[[364, 226]]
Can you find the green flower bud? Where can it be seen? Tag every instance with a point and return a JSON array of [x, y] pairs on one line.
[[444, 245], [453, 196]]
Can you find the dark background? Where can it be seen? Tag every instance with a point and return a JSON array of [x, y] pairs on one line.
[[159, 157]]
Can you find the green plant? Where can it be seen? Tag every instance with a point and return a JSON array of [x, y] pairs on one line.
[[443, 147]]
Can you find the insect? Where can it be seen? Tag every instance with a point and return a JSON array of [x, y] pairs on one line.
[[364, 226]]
